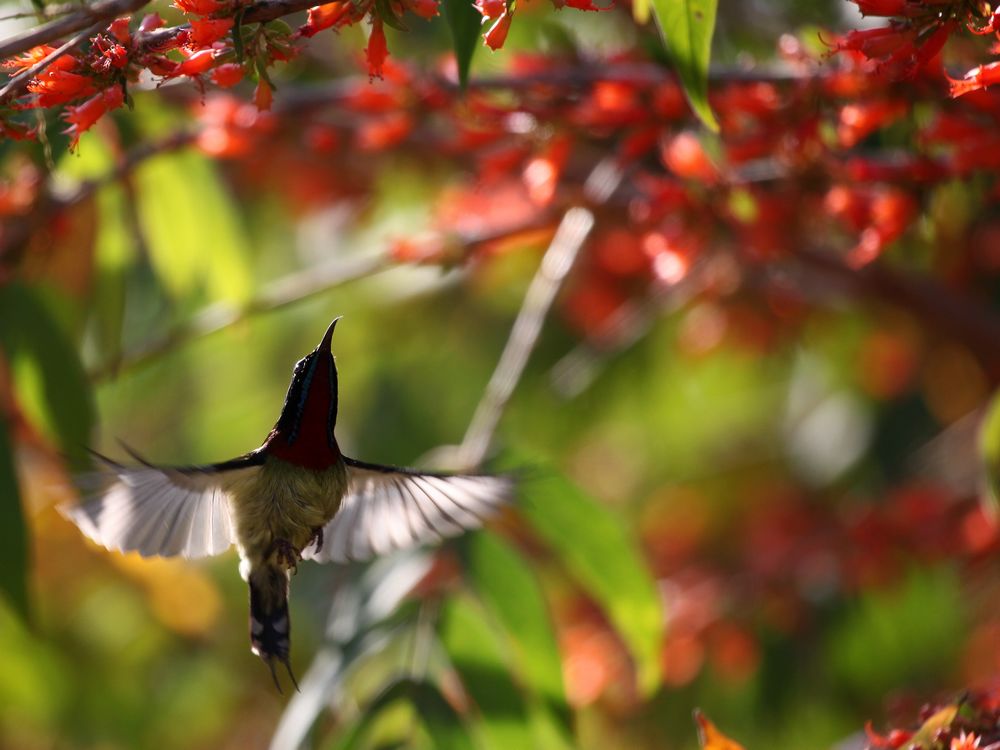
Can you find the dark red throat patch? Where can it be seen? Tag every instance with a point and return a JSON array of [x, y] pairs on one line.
[[304, 432]]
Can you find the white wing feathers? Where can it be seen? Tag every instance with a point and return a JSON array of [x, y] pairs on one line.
[[155, 511], [387, 509]]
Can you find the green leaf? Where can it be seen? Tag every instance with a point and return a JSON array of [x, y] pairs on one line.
[[464, 21], [598, 551], [989, 451], [192, 228], [474, 651], [49, 381], [512, 594], [13, 533], [687, 27], [445, 727], [387, 13], [927, 735]]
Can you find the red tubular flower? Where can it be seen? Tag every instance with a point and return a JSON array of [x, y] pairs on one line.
[[490, 9], [227, 75], [207, 31], [376, 51], [978, 78], [263, 95], [81, 118], [150, 22], [200, 62], [424, 8], [326, 16], [882, 7], [858, 121], [55, 87], [198, 7], [876, 44], [36, 55], [497, 34], [119, 29], [684, 155]]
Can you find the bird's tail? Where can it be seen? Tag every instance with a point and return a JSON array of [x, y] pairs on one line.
[[270, 626]]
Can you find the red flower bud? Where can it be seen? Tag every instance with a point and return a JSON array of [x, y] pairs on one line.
[[497, 34], [227, 75], [83, 117], [376, 51]]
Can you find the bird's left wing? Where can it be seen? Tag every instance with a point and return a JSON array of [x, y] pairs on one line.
[[387, 508], [162, 511]]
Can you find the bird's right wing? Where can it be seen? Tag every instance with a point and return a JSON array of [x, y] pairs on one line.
[[388, 508], [160, 511]]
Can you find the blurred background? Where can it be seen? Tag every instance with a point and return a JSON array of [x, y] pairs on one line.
[[753, 477]]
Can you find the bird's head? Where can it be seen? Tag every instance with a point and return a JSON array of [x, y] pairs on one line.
[[304, 431]]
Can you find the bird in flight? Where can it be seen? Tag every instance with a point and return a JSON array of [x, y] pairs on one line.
[[296, 497]]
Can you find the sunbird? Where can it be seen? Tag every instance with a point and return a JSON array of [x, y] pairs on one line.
[[296, 497]]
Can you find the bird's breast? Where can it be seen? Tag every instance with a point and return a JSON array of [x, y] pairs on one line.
[[286, 502]]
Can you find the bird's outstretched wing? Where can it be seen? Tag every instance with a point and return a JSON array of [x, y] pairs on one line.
[[160, 511], [387, 508]]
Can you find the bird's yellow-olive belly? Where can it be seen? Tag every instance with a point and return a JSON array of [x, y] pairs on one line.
[[284, 503]]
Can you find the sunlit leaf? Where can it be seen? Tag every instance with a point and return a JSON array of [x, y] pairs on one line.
[[687, 27], [13, 534], [600, 553], [464, 22], [192, 228], [49, 381], [925, 737], [474, 650], [512, 594], [710, 737], [989, 449]]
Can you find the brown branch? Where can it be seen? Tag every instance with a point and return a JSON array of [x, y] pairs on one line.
[[103, 10], [261, 12], [14, 86]]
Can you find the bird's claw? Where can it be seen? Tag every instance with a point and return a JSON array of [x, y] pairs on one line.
[[317, 537], [286, 554]]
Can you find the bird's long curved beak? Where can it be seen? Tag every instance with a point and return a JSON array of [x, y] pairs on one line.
[[324, 345]]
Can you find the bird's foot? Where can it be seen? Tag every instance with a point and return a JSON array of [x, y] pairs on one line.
[[285, 554], [317, 537]]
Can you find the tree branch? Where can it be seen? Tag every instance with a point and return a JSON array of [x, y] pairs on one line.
[[103, 10], [17, 82], [572, 233]]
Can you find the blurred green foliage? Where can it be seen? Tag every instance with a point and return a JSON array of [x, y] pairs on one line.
[[554, 634]]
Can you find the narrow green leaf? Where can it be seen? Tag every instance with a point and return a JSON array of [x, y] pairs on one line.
[[687, 27], [239, 46], [192, 228], [446, 728], [13, 533], [989, 451], [475, 652], [598, 551], [49, 381], [511, 593], [387, 13], [464, 22]]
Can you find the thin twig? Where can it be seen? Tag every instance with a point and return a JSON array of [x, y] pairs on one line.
[[101, 11], [285, 291], [15, 84], [570, 236]]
